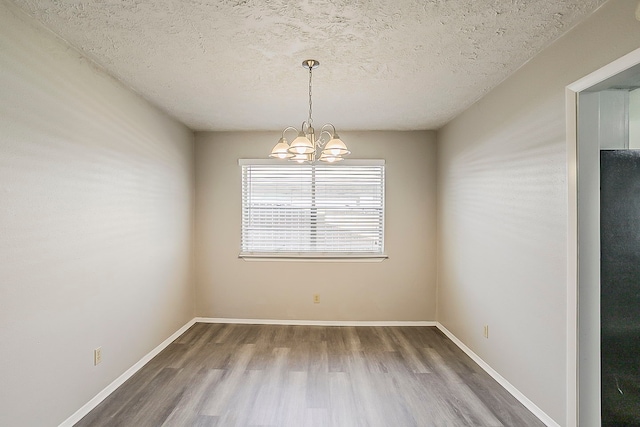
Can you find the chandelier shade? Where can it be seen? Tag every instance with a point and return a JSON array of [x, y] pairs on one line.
[[329, 158], [301, 158], [281, 150], [335, 147], [301, 145], [305, 148]]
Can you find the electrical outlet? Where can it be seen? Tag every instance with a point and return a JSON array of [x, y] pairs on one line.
[[97, 356], [316, 298], [486, 331]]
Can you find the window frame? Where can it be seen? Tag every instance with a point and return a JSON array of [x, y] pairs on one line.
[[317, 256]]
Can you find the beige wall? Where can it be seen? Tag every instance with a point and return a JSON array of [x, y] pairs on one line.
[[95, 226], [502, 211], [399, 288]]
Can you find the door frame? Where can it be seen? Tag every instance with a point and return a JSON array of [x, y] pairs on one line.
[[573, 239]]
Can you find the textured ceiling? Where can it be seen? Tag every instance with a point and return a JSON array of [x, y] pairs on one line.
[[236, 64]]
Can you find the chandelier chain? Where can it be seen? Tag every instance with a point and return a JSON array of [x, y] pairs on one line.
[[310, 121]]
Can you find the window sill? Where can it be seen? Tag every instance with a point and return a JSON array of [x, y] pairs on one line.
[[314, 257]]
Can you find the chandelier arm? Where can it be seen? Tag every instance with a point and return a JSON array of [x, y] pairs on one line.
[[288, 128], [321, 142], [332, 127]]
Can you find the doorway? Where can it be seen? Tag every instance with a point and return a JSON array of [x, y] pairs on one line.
[[606, 326]]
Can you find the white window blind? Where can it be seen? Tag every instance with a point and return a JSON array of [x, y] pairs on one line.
[[312, 210]]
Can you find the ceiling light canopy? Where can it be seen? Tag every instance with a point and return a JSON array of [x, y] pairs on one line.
[[328, 147]]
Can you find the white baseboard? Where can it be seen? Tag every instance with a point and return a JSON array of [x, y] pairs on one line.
[[80, 413], [500, 379], [317, 322]]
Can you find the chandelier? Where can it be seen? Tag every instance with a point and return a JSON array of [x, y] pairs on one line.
[[305, 148]]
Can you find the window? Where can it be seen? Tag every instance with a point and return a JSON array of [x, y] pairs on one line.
[[313, 211]]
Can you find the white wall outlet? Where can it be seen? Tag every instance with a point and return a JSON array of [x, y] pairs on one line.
[[97, 356], [316, 298], [486, 331]]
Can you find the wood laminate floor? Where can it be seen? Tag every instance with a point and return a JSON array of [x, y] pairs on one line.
[[228, 375]]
